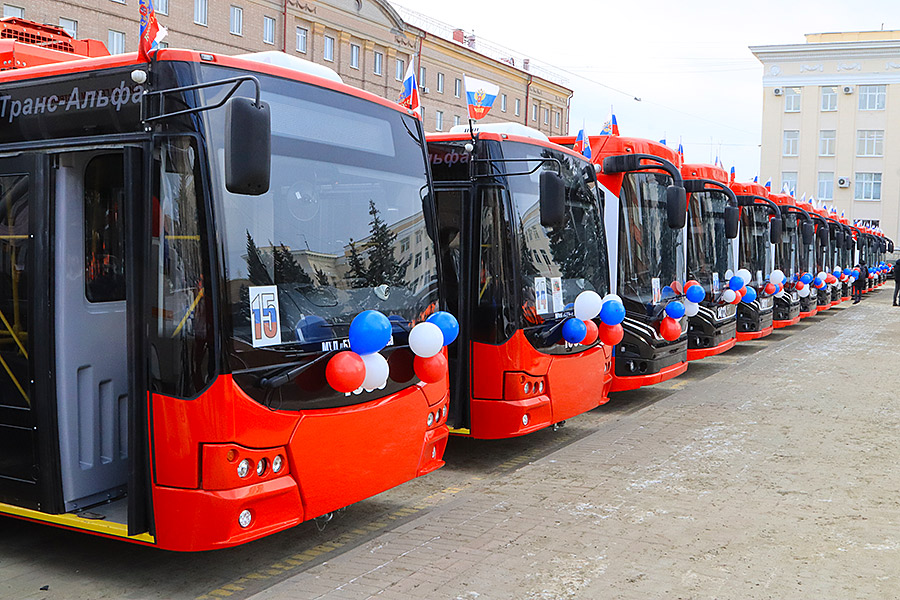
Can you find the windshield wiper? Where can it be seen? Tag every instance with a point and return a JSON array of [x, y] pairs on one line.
[[277, 376]]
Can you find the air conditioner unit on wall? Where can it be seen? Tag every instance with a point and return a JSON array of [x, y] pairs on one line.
[[426, 90], [778, 91], [848, 89], [843, 182]]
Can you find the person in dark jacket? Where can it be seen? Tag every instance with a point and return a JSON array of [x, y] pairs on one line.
[[896, 280], [861, 282]]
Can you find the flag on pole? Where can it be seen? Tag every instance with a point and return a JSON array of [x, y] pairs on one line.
[[663, 141], [756, 179], [769, 184], [151, 32], [480, 96], [681, 151], [409, 94], [611, 127], [583, 144], [732, 174]]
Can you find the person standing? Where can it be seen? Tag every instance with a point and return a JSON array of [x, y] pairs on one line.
[[896, 280], [861, 282]]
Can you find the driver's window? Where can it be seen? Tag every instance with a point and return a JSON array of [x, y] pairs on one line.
[[104, 237]]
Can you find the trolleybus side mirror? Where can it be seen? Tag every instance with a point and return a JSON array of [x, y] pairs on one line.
[[553, 199], [807, 231], [621, 163], [822, 235], [848, 242], [732, 217], [839, 239], [248, 146], [676, 206], [775, 231]]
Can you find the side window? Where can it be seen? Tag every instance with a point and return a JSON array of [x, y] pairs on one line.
[[181, 310], [494, 274], [104, 237], [15, 243]]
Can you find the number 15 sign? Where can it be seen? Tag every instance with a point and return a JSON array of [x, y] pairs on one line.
[[265, 318]]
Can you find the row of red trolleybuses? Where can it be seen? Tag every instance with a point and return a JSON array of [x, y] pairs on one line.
[[237, 294]]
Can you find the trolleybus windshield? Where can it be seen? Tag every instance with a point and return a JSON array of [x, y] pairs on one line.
[[754, 241], [707, 244], [341, 230], [786, 257], [651, 254]]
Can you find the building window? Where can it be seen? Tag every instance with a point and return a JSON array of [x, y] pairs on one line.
[[871, 97], [438, 120], [826, 186], [418, 260], [870, 142], [791, 142], [70, 26], [237, 20], [116, 42], [328, 51], [457, 88], [440, 83], [378, 67], [518, 106], [559, 119], [404, 245], [546, 116], [503, 102], [534, 112], [268, 30], [792, 99], [788, 181], [418, 238], [401, 67], [354, 56], [200, 10], [13, 11], [829, 98], [868, 187], [421, 76], [302, 34], [826, 142], [456, 120], [161, 7]]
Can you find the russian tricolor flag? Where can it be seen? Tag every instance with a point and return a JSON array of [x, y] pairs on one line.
[[151, 32], [769, 184], [583, 144], [611, 127], [409, 95], [480, 96]]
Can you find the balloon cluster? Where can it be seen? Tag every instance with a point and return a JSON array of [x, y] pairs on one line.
[[775, 286], [363, 367], [694, 294], [581, 328]]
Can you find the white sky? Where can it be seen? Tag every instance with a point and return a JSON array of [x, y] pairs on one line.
[[687, 61]]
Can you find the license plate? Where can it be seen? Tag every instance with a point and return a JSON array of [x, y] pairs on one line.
[[765, 303], [721, 312], [795, 297]]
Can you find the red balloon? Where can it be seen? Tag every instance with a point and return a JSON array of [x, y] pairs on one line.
[[799, 285], [345, 371], [690, 282], [432, 369], [770, 289], [592, 332], [743, 291], [611, 334], [670, 329]]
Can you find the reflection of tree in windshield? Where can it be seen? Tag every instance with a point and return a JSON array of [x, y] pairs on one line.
[[383, 267]]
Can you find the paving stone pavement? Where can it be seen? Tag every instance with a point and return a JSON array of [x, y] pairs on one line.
[[774, 478]]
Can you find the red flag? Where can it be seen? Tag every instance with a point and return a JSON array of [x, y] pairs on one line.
[[151, 32]]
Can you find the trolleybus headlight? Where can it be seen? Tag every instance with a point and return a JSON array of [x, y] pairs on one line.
[[430, 420], [540, 387], [244, 467], [261, 467], [245, 518], [524, 419], [444, 412], [527, 387], [277, 463]]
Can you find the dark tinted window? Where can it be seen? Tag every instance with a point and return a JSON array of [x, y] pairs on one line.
[[104, 237]]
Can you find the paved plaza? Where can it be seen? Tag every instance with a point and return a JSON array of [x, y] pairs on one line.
[[768, 472]]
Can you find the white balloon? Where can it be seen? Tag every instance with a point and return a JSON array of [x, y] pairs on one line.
[[729, 274], [745, 275], [691, 308], [822, 275], [426, 339], [804, 292], [729, 295], [376, 371], [587, 305], [612, 297], [777, 276]]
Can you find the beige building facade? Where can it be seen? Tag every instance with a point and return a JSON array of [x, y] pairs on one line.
[[831, 122], [366, 42]]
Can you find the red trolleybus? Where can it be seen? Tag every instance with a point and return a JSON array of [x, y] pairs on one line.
[[761, 231], [184, 246], [796, 236], [646, 233], [713, 216], [515, 254]]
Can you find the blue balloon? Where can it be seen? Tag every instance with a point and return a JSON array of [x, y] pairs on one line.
[[675, 309], [848, 272], [574, 330], [836, 272], [667, 292], [448, 324], [612, 312], [735, 283], [370, 331], [695, 294], [750, 296], [817, 281], [807, 278]]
